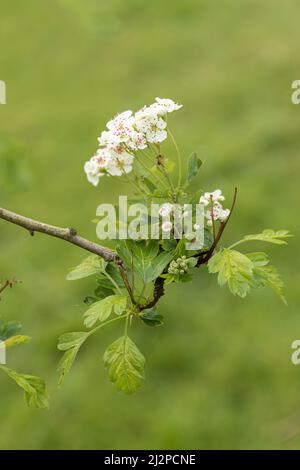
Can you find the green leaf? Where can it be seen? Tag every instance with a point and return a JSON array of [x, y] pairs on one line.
[[243, 272], [71, 340], [104, 283], [169, 278], [208, 239], [158, 193], [267, 235], [125, 364], [148, 264], [194, 164], [258, 258], [269, 276], [101, 310], [233, 268], [149, 184], [266, 276], [66, 363], [89, 300], [102, 292], [144, 253], [34, 388], [114, 273], [180, 248], [169, 166], [152, 318], [194, 198], [17, 339], [71, 343], [8, 334], [168, 244], [91, 265], [192, 262], [157, 266], [9, 329], [124, 251]]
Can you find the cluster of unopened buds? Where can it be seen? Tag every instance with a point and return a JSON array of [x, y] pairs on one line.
[[179, 266], [127, 134]]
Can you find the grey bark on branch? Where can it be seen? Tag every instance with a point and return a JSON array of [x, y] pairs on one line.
[[67, 234]]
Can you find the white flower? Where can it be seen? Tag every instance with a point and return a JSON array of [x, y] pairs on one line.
[[144, 114], [137, 141], [167, 226], [165, 105], [125, 162], [218, 213], [224, 214], [179, 211], [120, 119], [156, 132], [113, 167], [101, 157], [119, 162], [214, 197], [165, 209], [119, 129], [92, 172], [151, 124], [114, 161], [95, 167], [108, 138]]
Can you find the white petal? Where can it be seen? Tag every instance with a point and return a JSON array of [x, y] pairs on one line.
[[167, 226]]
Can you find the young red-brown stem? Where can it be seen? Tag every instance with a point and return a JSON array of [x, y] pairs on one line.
[[157, 294], [126, 282], [212, 217]]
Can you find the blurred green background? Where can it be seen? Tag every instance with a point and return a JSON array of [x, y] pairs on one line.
[[219, 373]]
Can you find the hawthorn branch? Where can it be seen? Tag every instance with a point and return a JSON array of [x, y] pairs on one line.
[[67, 234]]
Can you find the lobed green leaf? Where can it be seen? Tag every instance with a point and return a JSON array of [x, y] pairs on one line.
[[234, 269], [101, 310], [91, 265], [34, 387], [270, 236], [125, 364], [152, 318], [70, 343]]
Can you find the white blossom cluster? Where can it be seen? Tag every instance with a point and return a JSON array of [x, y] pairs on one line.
[[127, 133], [173, 212], [215, 210]]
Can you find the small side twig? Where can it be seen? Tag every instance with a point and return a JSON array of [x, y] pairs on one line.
[[8, 283]]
